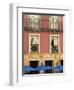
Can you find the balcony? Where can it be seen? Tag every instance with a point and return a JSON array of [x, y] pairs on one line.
[[42, 30]]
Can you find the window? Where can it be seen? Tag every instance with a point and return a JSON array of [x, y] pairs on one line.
[[34, 43], [36, 22], [53, 21], [33, 22], [30, 21], [49, 63], [54, 44]]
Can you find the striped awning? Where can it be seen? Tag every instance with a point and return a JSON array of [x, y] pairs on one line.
[[29, 68]]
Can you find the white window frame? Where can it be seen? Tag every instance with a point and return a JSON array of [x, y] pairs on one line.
[[58, 41], [30, 40]]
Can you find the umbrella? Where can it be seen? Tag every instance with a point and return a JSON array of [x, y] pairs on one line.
[[28, 68], [59, 67], [44, 67]]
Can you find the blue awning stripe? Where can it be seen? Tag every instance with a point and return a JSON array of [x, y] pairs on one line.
[[29, 68]]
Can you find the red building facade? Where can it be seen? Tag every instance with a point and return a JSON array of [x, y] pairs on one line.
[[43, 43]]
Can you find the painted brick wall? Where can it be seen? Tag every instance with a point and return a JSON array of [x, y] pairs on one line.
[[60, 23], [26, 42], [44, 22], [44, 42], [25, 21], [61, 42]]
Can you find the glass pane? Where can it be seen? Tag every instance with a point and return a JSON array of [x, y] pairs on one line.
[[34, 43], [54, 44], [55, 22]]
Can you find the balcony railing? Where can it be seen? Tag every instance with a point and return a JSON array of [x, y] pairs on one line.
[[42, 29]]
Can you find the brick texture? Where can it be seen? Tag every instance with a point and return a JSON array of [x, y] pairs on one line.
[[44, 42], [26, 42]]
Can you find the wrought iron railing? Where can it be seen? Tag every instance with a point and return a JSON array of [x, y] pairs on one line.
[[42, 29]]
